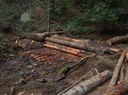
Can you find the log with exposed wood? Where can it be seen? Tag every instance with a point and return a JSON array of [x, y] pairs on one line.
[[120, 89], [111, 50], [70, 50], [81, 41], [85, 86], [117, 40], [71, 44], [116, 71]]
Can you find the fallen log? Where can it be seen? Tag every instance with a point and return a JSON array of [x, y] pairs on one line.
[[122, 74], [86, 86], [82, 41], [70, 50], [117, 40], [71, 44], [126, 74], [86, 75], [36, 36], [120, 89], [116, 71]]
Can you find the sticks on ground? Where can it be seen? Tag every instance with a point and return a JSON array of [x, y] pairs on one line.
[[71, 68]]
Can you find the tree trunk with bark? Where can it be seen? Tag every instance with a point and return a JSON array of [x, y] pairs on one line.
[[85, 86], [71, 44], [116, 71], [81, 41], [37, 36], [117, 40]]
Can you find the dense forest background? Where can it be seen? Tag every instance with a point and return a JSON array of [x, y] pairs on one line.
[[69, 15], [74, 16]]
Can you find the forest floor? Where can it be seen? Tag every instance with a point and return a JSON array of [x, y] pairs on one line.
[[23, 72]]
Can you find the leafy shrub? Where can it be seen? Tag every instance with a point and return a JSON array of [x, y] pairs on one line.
[[60, 8], [101, 15]]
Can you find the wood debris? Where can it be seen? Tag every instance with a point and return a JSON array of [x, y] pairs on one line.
[[85, 86], [118, 40], [118, 86]]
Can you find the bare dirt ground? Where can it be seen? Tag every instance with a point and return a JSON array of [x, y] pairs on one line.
[[24, 70]]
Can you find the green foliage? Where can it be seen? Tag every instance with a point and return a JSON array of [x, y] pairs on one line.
[[60, 8], [100, 15], [78, 18], [27, 26]]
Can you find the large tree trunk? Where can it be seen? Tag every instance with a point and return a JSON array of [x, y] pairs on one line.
[[116, 71], [48, 14], [70, 50], [117, 40], [70, 44], [85, 86]]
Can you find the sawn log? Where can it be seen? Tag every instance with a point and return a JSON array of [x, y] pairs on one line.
[[70, 50], [117, 40], [71, 44], [81, 41], [84, 87]]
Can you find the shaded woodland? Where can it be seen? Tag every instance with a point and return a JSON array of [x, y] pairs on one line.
[[63, 47]]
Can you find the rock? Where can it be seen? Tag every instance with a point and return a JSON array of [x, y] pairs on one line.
[[25, 17]]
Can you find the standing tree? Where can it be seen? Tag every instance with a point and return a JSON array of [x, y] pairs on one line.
[[49, 5]]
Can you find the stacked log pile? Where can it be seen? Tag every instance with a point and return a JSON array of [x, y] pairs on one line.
[[78, 47]]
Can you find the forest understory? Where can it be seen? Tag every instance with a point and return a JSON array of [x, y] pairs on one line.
[[68, 47]]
